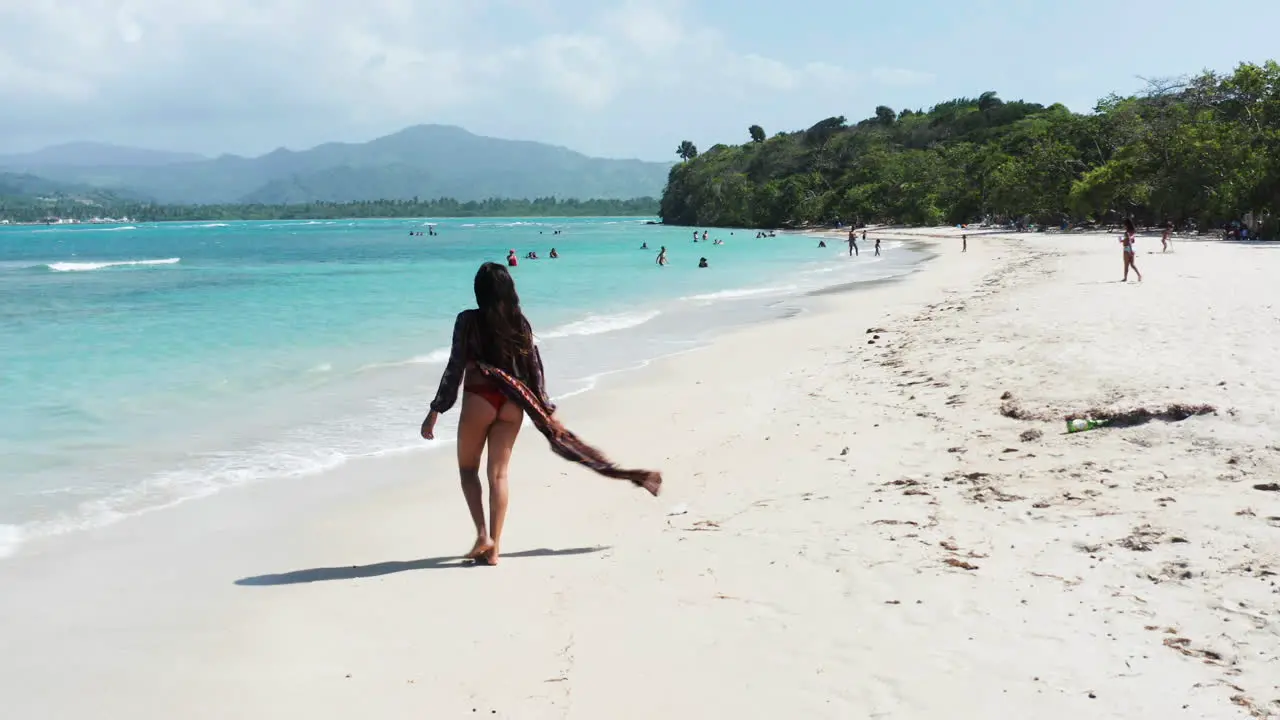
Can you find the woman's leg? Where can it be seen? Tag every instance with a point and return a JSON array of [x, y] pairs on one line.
[[473, 430], [502, 438], [1126, 267], [1133, 264]]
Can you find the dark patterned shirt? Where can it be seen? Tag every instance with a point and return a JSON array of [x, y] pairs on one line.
[[465, 350]]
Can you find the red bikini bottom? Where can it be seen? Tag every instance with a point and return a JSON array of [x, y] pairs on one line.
[[491, 395]]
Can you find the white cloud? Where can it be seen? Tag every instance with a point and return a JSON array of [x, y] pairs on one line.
[[248, 75]]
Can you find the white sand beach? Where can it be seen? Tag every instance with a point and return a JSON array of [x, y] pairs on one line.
[[871, 510]]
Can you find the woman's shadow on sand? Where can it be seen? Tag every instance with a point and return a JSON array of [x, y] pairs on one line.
[[353, 572]]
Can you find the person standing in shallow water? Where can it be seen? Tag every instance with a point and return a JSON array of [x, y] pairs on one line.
[[495, 361], [877, 247], [853, 243], [662, 256]]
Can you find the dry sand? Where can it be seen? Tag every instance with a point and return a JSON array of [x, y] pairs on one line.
[[861, 530]]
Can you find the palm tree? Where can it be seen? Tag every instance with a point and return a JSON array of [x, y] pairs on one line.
[[687, 150]]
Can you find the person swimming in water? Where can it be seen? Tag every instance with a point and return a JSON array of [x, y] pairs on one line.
[[554, 254], [495, 362], [822, 243], [704, 236], [511, 258], [702, 263], [644, 245]]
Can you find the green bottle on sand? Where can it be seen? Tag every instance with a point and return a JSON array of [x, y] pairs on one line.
[[1076, 425]]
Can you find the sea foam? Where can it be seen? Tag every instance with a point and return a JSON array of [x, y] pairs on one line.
[[598, 324], [741, 293], [10, 538], [86, 266]]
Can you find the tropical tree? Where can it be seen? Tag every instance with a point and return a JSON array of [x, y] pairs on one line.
[[757, 133], [1203, 149], [989, 100], [687, 150]]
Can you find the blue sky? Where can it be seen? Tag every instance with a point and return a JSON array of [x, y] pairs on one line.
[[618, 79]]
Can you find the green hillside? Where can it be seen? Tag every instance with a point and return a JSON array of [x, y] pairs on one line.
[[1202, 150]]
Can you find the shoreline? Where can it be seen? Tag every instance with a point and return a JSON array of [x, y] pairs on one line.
[[820, 484], [733, 309]]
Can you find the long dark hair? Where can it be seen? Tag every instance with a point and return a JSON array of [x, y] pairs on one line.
[[1128, 226], [505, 337]]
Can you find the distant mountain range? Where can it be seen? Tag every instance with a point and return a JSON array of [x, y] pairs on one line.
[[424, 161], [87, 155]]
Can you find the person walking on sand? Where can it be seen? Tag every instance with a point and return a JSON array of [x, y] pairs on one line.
[[877, 247], [662, 256], [494, 360], [1126, 244], [964, 243], [853, 243], [1167, 238]]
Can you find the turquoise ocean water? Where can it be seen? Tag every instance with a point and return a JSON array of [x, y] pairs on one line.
[[146, 365]]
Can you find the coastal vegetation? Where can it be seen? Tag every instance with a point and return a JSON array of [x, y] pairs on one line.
[[1199, 151], [27, 209]]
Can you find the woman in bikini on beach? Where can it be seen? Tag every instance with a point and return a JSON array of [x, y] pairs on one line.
[[1126, 243], [494, 360]]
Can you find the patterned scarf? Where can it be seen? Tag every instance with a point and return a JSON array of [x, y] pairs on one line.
[[563, 442]]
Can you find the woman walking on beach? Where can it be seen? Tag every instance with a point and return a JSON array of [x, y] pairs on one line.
[[494, 360], [1167, 238], [1126, 242]]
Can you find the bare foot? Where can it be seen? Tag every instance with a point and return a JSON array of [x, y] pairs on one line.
[[482, 547], [490, 557]]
